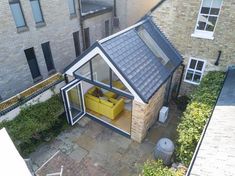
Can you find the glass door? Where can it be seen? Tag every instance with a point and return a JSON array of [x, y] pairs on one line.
[[73, 101]]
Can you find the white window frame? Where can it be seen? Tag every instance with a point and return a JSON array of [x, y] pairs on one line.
[[203, 33], [194, 70]]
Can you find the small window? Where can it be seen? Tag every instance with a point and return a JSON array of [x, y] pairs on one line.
[[72, 10], [76, 43], [48, 57], [37, 12], [195, 70], [33, 64], [207, 18], [17, 13], [107, 29], [87, 38]]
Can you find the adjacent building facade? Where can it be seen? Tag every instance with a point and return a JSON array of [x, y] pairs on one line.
[[39, 38], [203, 33]]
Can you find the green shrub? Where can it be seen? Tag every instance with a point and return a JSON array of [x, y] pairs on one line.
[[156, 168], [194, 118], [34, 123]]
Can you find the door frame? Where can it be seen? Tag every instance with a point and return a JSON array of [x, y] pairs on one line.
[[64, 92]]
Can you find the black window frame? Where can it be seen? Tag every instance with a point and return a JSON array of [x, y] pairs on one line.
[[107, 25], [76, 40], [39, 77], [87, 39], [52, 70]]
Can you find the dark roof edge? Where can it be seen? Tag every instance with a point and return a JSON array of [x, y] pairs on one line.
[[133, 87], [81, 56]]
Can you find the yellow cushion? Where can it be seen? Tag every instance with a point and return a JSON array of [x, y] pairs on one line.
[[93, 97], [109, 104], [110, 94]]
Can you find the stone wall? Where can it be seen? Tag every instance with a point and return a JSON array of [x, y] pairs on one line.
[[15, 75], [177, 19], [144, 115]]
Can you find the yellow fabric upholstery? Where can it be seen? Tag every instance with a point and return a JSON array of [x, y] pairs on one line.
[[110, 108]]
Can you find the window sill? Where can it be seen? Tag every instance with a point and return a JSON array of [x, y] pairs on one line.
[[22, 29], [40, 24], [190, 82], [202, 36], [38, 79]]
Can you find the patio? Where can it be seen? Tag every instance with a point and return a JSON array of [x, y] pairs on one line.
[[91, 149]]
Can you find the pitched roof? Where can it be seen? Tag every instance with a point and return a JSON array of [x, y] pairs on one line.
[[142, 55], [137, 62]]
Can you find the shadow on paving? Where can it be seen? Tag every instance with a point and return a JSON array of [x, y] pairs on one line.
[[91, 149]]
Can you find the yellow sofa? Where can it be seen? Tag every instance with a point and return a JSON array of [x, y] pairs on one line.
[[110, 108], [116, 84]]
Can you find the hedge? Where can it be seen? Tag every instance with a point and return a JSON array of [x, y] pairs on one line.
[[195, 116], [35, 124], [156, 168]]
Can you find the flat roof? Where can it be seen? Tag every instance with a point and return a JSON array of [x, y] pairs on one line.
[[216, 154]]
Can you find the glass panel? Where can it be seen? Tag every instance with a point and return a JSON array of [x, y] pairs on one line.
[[197, 77], [84, 71], [192, 64], [200, 65], [17, 15], [71, 7], [74, 96], [215, 8], [37, 14], [101, 69], [211, 23], [189, 75], [206, 3], [205, 10], [202, 22], [152, 45], [116, 82], [216, 4]]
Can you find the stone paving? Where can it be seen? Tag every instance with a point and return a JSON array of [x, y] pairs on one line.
[[91, 149]]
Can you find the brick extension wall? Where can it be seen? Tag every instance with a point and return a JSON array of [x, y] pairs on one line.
[[144, 115]]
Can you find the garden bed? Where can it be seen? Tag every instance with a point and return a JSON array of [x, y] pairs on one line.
[[29, 92], [36, 124]]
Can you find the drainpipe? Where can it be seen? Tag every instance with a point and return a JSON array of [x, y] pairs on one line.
[[81, 20], [114, 8], [218, 58], [181, 78]]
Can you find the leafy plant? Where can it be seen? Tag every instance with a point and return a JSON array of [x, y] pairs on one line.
[[156, 168], [198, 111], [30, 127]]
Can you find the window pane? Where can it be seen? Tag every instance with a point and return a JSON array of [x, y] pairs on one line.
[[101, 69], [211, 23], [85, 71], [189, 75], [48, 56], [205, 10], [17, 15], [200, 65], [214, 11], [216, 4], [71, 7], [192, 63], [206, 3], [202, 22], [197, 77], [37, 14]]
